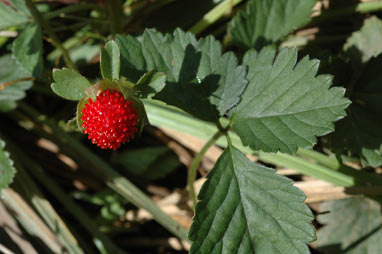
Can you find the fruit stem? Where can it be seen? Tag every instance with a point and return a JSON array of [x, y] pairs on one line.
[[49, 31], [195, 164]]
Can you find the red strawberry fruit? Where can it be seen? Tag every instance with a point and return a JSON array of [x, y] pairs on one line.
[[110, 121]]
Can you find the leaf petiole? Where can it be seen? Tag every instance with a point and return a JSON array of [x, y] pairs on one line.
[[195, 164]]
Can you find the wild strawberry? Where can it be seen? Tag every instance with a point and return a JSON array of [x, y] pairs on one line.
[[110, 121]]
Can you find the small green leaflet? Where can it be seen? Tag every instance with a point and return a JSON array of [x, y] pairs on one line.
[[10, 17], [200, 79], [267, 21], [69, 84], [11, 71], [247, 208], [27, 50], [110, 61], [351, 226], [285, 105], [7, 171], [150, 84]]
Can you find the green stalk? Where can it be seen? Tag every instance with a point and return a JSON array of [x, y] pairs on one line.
[[213, 15], [67, 202], [70, 9], [195, 164], [361, 8], [30, 221], [49, 31], [106, 173], [46, 211], [308, 168]]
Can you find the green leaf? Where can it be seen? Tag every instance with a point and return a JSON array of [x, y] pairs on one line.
[[27, 50], [10, 71], [247, 208], [285, 105], [363, 44], [351, 226], [150, 84], [69, 84], [148, 163], [360, 132], [10, 17], [200, 80], [110, 61], [7, 170], [265, 22], [21, 6]]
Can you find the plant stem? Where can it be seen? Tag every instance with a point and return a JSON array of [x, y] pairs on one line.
[[213, 15], [308, 168], [71, 8], [361, 8], [49, 31], [195, 164]]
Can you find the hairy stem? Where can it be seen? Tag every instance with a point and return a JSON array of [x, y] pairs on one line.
[[195, 164], [49, 31]]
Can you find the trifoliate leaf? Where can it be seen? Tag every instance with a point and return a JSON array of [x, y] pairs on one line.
[[351, 226], [150, 84], [285, 105], [7, 171], [360, 132], [247, 208], [69, 84], [267, 21], [27, 50], [363, 44], [110, 61], [10, 17], [10, 72], [200, 80]]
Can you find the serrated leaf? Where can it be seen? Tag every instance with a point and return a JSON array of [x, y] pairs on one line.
[[27, 50], [7, 170], [247, 208], [267, 21], [10, 71], [150, 84], [200, 80], [10, 17], [69, 84], [360, 132], [351, 226], [148, 163], [110, 61], [285, 105], [363, 44]]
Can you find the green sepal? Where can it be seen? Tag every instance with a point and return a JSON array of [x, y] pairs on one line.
[[92, 91], [126, 87], [143, 120], [80, 106], [69, 84], [150, 83]]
